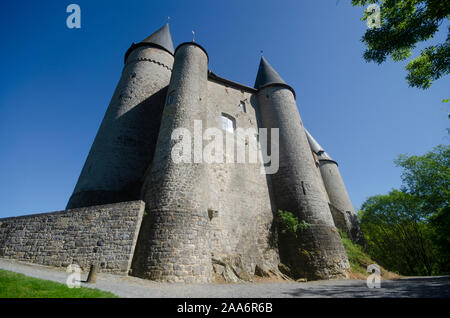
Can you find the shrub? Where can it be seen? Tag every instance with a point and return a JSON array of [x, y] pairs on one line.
[[290, 224]]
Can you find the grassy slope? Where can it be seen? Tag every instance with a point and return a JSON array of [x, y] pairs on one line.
[[360, 260], [13, 285]]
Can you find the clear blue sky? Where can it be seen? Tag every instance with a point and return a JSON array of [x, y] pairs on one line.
[[56, 83]]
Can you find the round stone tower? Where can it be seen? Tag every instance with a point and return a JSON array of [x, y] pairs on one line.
[[124, 145], [317, 251], [341, 205], [173, 245]]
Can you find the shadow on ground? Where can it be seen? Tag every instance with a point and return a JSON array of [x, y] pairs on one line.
[[432, 287]]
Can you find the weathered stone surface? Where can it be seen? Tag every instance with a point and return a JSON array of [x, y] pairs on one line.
[[261, 272], [285, 270], [176, 230], [298, 189], [243, 229], [126, 140], [340, 204], [228, 272], [83, 236]]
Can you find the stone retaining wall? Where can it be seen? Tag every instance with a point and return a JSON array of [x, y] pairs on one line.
[[105, 234]]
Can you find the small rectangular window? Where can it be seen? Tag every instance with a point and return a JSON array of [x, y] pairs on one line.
[[242, 106]]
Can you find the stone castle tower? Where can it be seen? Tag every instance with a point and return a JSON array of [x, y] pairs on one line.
[[190, 222]]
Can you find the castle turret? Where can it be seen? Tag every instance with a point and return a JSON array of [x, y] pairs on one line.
[[341, 205], [173, 245], [124, 145], [317, 251]]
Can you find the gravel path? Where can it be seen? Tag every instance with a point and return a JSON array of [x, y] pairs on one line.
[[135, 287]]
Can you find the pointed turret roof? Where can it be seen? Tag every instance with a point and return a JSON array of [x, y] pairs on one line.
[[161, 39], [314, 144], [267, 75], [317, 148]]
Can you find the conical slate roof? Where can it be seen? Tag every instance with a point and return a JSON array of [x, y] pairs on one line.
[[267, 75], [317, 148], [162, 38], [314, 144]]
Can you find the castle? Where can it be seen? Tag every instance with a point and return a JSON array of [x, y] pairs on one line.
[[134, 210]]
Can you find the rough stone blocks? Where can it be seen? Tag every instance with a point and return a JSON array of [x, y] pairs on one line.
[[104, 234]]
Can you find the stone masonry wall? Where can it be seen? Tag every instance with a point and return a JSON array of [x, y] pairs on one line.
[[173, 245], [125, 142], [105, 234], [242, 224], [298, 189]]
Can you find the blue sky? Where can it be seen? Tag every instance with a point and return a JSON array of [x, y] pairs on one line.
[[57, 82]]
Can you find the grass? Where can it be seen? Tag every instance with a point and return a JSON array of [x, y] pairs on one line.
[[14, 285], [359, 260], [356, 256]]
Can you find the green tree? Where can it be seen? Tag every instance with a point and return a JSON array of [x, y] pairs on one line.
[[441, 237], [404, 23], [428, 178], [396, 234], [408, 230]]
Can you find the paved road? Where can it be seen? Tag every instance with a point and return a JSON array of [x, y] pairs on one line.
[[135, 287]]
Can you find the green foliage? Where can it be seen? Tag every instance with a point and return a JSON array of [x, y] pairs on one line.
[[13, 285], [432, 64], [304, 225], [407, 230], [404, 23], [289, 223], [428, 178], [441, 237], [358, 259], [396, 234]]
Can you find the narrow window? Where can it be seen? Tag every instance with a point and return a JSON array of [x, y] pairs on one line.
[[228, 123], [170, 97], [242, 106]]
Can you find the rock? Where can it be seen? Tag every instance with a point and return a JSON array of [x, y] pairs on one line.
[[218, 269], [259, 271], [231, 271], [242, 273], [285, 270], [279, 274], [238, 268], [217, 261], [230, 276]]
